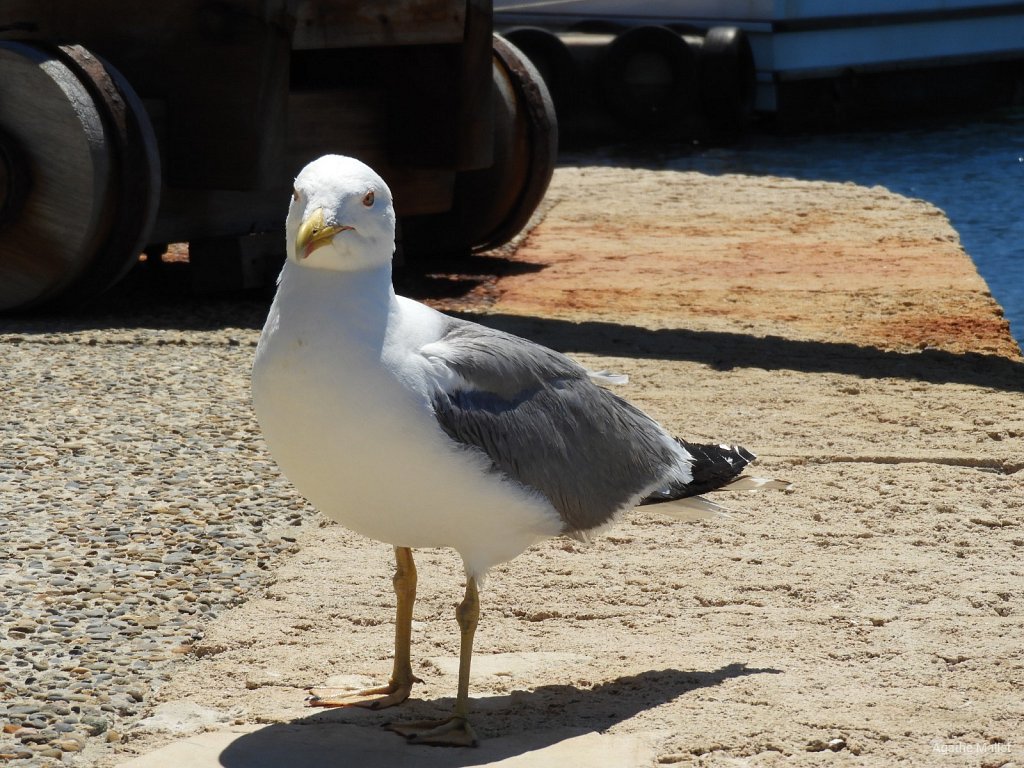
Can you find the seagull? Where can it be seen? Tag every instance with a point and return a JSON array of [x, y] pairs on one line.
[[418, 429]]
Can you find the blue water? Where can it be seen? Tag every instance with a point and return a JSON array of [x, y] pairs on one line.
[[974, 171]]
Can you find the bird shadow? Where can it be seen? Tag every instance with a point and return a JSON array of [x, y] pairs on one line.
[[539, 718]]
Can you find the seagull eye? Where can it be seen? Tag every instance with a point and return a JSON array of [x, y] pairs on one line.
[[295, 195], [368, 199]]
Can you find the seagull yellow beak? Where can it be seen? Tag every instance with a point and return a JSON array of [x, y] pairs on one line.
[[314, 232]]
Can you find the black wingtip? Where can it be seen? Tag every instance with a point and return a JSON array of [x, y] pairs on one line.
[[713, 466]]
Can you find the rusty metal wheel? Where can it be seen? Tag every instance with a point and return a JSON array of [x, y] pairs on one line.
[[79, 175], [492, 205]]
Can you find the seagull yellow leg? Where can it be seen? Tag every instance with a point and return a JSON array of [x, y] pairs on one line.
[[455, 731], [400, 685]]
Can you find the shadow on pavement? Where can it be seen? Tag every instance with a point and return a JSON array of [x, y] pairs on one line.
[[149, 299], [509, 725], [725, 350]]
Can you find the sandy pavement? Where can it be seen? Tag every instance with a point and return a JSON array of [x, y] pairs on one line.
[[869, 616]]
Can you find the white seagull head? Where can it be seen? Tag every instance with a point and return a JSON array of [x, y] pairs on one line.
[[341, 216]]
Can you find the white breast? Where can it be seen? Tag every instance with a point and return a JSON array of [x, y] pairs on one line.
[[346, 414]]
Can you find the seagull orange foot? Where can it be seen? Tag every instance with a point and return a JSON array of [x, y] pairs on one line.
[[454, 731], [389, 695]]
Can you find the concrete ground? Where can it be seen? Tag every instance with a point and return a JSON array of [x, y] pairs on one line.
[[869, 616]]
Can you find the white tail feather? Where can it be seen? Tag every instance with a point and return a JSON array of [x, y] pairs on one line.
[[748, 483], [690, 509], [698, 508]]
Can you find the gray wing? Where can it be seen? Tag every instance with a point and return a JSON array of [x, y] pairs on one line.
[[543, 423]]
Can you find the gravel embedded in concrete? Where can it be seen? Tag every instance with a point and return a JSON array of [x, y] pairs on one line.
[[136, 502]]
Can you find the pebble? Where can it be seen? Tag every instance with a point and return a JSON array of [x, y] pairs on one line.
[[69, 745], [137, 502], [33, 735]]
